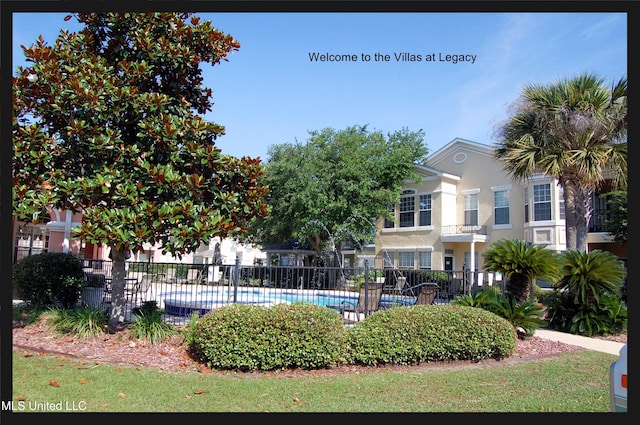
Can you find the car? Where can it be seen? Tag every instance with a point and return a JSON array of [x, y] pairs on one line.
[[618, 382]]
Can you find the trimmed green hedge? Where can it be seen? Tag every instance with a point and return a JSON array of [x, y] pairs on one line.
[[251, 337], [424, 333], [307, 336]]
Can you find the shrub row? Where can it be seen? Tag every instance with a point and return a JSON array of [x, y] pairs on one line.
[[307, 336]]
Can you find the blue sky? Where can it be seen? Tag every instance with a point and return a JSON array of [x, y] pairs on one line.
[[270, 92]]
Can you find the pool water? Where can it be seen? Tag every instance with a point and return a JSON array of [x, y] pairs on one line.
[[185, 303]]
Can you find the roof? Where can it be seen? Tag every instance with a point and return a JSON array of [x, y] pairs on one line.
[[292, 245]]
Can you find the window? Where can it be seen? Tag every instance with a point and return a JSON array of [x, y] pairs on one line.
[[389, 224], [561, 202], [467, 260], [424, 260], [501, 207], [601, 206], [405, 260], [407, 209], [388, 259], [526, 204], [425, 210], [471, 209], [542, 202], [30, 240]]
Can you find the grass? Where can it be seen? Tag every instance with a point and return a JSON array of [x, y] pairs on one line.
[[576, 381]]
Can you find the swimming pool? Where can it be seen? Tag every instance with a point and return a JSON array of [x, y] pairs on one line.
[[184, 303]]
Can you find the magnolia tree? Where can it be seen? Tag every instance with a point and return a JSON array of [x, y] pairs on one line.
[[108, 121]]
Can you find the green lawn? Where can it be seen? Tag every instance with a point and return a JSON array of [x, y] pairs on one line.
[[572, 382]]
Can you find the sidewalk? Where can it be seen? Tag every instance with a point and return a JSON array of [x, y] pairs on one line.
[[595, 344]]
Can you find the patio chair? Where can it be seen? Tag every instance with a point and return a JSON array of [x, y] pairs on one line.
[[455, 288], [135, 291], [427, 293], [194, 276], [170, 275], [368, 302]]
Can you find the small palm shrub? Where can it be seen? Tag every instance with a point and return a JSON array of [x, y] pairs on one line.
[[251, 337], [608, 316], [49, 279], [83, 321], [588, 275], [525, 317], [148, 324], [588, 298], [521, 262], [483, 299], [423, 333]]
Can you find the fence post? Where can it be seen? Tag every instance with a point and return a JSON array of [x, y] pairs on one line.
[[366, 288], [236, 278]]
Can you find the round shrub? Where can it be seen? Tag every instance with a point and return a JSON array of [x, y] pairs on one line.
[[49, 279], [250, 337], [424, 333]]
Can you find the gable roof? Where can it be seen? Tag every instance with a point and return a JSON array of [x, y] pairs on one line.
[[458, 145], [430, 172]]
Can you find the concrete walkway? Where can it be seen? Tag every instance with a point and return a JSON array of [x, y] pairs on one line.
[[594, 344]]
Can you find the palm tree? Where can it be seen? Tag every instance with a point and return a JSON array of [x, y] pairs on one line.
[[589, 275], [576, 131], [521, 262]]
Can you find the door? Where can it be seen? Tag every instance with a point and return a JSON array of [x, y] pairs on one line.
[[448, 263]]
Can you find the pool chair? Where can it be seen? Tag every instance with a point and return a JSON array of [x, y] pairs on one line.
[[194, 276], [368, 302], [137, 291], [168, 277], [425, 292]]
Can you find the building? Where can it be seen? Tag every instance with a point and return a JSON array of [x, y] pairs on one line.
[[464, 202], [51, 231]]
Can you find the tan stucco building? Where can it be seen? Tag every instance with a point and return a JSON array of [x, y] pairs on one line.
[[463, 203]]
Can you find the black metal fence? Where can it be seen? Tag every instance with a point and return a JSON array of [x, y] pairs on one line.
[[181, 289]]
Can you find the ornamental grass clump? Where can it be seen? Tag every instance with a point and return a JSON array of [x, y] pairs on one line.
[[426, 333], [81, 321], [148, 324], [251, 337]]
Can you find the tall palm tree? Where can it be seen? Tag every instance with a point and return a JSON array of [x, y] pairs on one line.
[[521, 262], [574, 130]]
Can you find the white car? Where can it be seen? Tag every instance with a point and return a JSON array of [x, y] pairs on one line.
[[618, 382]]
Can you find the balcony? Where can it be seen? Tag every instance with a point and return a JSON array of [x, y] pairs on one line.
[[460, 229], [464, 233]]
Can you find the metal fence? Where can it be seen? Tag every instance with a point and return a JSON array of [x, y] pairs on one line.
[[182, 289]]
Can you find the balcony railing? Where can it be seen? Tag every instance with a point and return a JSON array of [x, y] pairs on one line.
[[464, 229]]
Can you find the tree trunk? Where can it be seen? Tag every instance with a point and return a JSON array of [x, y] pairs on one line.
[[584, 210], [570, 216], [518, 287], [118, 299]]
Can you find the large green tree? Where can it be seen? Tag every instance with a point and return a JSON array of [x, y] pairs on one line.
[[333, 187], [108, 121], [574, 130]]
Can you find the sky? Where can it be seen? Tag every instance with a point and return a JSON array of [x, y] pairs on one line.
[[272, 91]]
